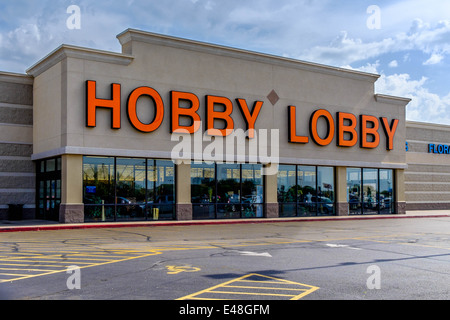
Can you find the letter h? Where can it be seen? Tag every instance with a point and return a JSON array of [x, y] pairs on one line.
[[92, 102]]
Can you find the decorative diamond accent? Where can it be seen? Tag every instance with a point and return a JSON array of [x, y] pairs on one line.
[[273, 97]]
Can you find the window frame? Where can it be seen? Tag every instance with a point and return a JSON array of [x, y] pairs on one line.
[[313, 208]]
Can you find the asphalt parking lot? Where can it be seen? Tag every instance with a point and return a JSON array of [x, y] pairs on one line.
[[401, 259]]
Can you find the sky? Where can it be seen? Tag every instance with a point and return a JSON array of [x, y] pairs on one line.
[[406, 42]]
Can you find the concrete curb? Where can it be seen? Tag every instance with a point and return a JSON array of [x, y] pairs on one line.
[[51, 227]]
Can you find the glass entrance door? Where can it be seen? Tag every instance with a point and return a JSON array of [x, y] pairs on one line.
[[48, 185]]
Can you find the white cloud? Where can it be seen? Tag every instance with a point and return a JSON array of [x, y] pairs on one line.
[[434, 40], [369, 67], [425, 106], [434, 59], [26, 37], [39, 34], [345, 50], [393, 64]]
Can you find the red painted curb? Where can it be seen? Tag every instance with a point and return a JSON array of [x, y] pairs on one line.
[[191, 223]]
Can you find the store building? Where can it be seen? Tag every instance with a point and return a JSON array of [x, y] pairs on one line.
[[427, 178], [174, 129]]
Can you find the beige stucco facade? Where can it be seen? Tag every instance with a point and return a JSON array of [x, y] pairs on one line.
[[168, 64], [427, 179]]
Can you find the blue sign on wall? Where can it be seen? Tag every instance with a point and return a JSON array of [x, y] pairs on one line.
[[439, 148], [91, 189]]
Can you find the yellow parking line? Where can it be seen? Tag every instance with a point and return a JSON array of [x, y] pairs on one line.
[[40, 257], [39, 261], [71, 257], [197, 298], [64, 269], [304, 294], [66, 251], [305, 289], [276, 282], [21, 269], [25, 265], [267, 288], [13, 274], [253, 293], [23, 253]]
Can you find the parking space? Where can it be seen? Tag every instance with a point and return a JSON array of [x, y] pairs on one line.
[[26, 259], [274, 261], [254, 286]]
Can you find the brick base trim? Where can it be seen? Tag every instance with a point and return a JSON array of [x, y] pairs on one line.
[[271, 210], [342, 209], [71, 213], [183, 211]]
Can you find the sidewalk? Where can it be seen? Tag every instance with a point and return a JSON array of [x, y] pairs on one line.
[[42, 225]]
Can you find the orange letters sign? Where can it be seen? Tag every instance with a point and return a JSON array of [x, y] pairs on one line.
[[322, 113], [293, 128], [350, 129], [389, 130], [92, 102], [345, 128], [177, 111], [371, 131], [212, 114], [159, 106], [250, 118], [220, 109]]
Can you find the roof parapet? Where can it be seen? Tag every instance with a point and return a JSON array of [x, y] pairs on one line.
[[16, 78], [69, 51], [129, 35], [383, 98]]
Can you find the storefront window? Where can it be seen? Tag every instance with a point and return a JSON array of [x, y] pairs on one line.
[[287, 190], [325, 191], [287, 184], [98, 188], [305, 191], [127, 189], [354, 179], [51, 165], [163, 191], [203, 190], [252, 191], [98, 176], [130, 188], [226, 191], [386, 195], [369, 191]]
